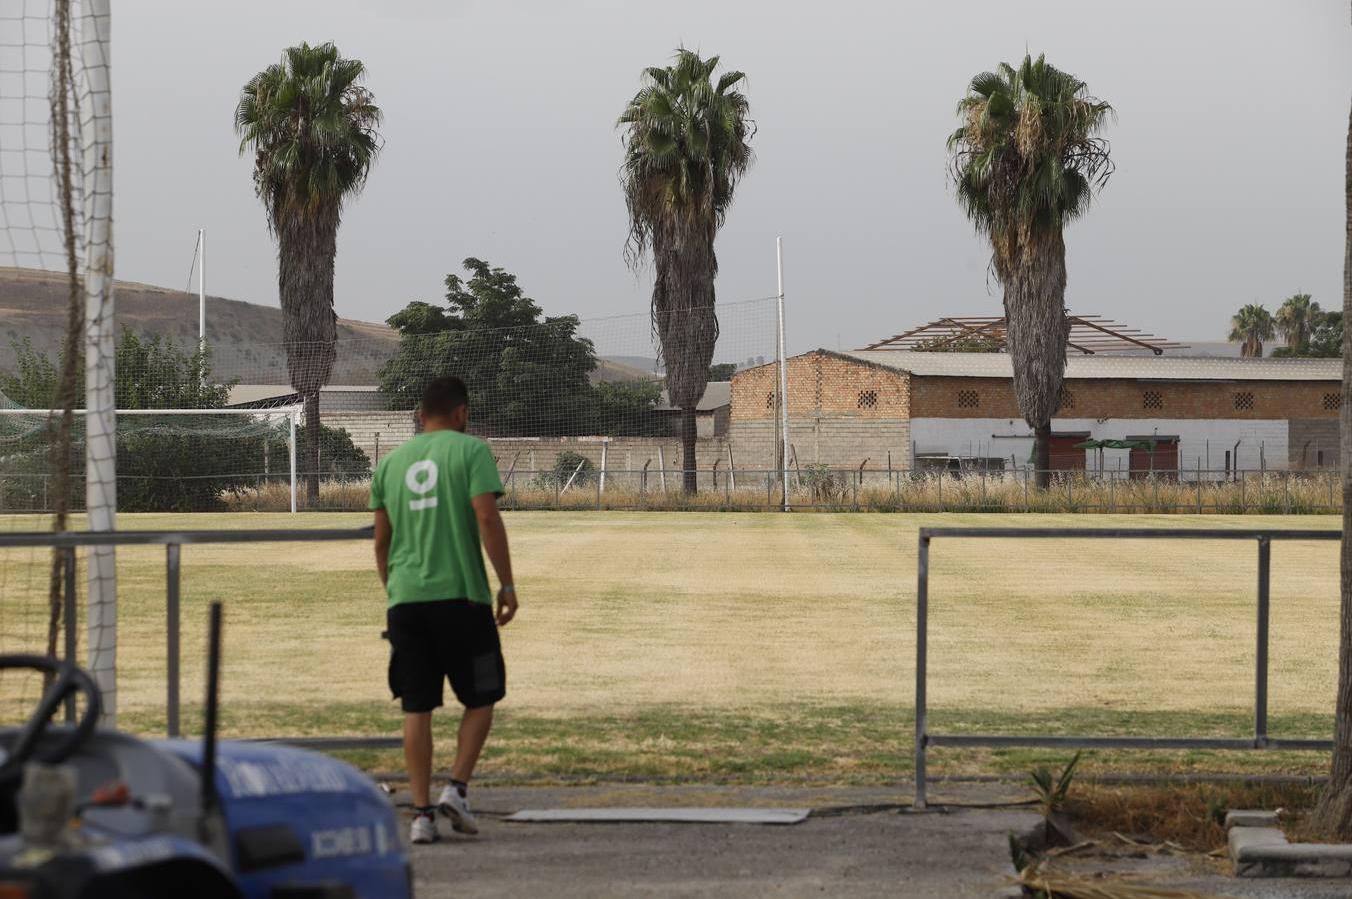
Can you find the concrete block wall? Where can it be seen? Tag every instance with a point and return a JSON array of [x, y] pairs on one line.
[[622, 454], [841, 442], [374, 433], [1314, 443]]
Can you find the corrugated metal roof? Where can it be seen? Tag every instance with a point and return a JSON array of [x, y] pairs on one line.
[[1170, 368]]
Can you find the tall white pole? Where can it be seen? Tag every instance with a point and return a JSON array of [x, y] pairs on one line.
[[202, 289], [96, 129], [291, 451], [783, 376]]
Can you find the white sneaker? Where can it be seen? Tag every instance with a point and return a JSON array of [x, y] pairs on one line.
[[423, 829], [456, 807]]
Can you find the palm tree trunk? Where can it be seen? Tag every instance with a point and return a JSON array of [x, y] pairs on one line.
[[306, 246], [1035, 312], [686, 324], [1334, 814], [1042, 456], [689, 434]]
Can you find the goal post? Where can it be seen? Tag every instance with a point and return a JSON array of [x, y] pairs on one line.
[[96, 136], [254, 423]]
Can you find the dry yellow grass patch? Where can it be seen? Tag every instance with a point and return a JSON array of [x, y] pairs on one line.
[[629, 611]]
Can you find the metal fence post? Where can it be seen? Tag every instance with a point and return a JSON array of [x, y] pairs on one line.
[[921, 654], [1261, 668], [68, 558], [171, 606]]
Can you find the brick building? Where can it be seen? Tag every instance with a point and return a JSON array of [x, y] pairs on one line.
[[925, 409]]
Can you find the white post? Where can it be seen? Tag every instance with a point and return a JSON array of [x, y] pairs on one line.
[[291, 451], [732, 470], [783, 375], [605, 445], [662, 467], [202, 289], [101, 421]]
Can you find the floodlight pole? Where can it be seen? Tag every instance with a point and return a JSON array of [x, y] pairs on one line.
[[783, 378], [202, 289], [291, 451]]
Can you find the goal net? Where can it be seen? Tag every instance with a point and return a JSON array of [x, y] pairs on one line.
[[56, 215]]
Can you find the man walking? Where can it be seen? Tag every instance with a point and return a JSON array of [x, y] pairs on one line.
[[435, 499]]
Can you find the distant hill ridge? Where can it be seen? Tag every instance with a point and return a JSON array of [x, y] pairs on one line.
[[245, 338]]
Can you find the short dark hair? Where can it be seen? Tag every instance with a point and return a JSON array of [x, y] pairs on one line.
[[444, 395]]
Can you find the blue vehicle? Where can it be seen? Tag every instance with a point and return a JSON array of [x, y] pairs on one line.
[[205, 820]]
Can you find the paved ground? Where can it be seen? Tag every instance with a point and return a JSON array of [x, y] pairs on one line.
[[858, 844]]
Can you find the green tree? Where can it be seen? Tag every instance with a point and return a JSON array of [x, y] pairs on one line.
[[1026, 162], [312, 129], [723, 371], [1252, 325], [528, 374], [1295, 320], [686, 148], [626, 409], [1326, 340]]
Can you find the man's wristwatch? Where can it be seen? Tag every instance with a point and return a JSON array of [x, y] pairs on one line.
[[506, 588]]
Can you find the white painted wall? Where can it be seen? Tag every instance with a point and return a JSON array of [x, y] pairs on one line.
[[1198, 439]]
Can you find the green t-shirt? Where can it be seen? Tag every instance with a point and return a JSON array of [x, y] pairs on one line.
[[425, 486]]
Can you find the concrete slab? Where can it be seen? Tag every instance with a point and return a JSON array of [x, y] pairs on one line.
[[862, 847], [775, 816], [1249, 818], [1265, 852]]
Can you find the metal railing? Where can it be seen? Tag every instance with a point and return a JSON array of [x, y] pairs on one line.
[[173, 541], [1261, 740]]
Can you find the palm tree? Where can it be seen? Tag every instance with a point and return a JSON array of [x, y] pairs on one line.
[[1252, 325], [1026, 162], [1295, 319], [311, 127], [685, 141], [1334, 813]]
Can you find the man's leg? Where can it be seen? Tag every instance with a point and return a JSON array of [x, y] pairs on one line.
[[418, 756], [474, 728]]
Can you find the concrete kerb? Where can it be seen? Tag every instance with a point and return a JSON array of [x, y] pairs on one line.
[[1259, 848]]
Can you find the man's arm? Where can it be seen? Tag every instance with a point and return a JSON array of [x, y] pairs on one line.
[[493, 533], [383, 532]]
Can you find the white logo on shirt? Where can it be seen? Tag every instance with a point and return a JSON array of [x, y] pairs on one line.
[[421, 478]]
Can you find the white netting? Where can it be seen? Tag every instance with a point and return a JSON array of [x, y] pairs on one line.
[[554, 398], [56, 213]]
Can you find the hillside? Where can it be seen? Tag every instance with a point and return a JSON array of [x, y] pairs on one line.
[[245, 337]]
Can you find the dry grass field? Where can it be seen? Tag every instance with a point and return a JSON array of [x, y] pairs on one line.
[[752, 646]]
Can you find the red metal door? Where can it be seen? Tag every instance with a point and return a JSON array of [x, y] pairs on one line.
[[1064, 455], [1160, 462]]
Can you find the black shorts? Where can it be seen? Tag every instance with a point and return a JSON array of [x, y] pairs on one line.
[[451, 639]]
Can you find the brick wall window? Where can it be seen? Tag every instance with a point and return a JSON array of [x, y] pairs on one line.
[[1152, 399], [968, 399], [1333, 401], [1244, 400], [770, 400], [1067, 401], [868, 399]]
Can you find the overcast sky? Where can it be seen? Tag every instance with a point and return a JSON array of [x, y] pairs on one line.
[[500, 143]]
